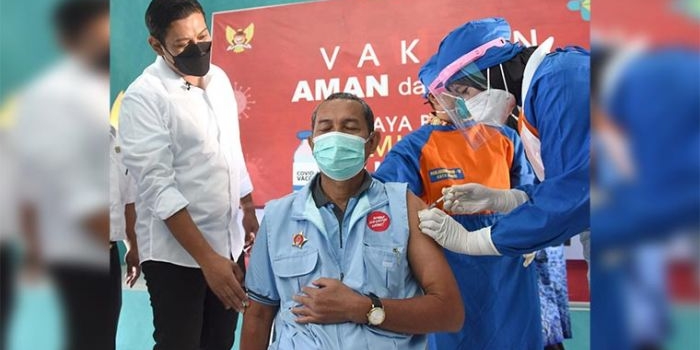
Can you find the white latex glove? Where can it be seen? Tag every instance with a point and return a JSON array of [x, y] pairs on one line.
[[451, 235], [473, 198]]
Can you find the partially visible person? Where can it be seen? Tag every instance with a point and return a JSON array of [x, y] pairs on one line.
[[122, 213], [647, 190], [550, 264], [341, 264], [9, 224], [61, 143], [179, 136], [435, 157]]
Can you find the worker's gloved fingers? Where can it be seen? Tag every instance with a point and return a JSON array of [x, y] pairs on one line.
[[463, 208], [448, 205], [431, 222], [431, 214], [430, 225], [468, 207], [464, 205], [469, 190]]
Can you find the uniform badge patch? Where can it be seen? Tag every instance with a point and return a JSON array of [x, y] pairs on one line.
[[298, 240]]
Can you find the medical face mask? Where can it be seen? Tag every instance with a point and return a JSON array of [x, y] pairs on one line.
[[492, 106], [339, 155], [194, 59]]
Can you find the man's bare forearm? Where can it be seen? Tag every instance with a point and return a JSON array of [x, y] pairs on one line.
[[130, 221], [29, 228], [188, 235], [257, 323], [418, 315], [97, 225], [247, 203]]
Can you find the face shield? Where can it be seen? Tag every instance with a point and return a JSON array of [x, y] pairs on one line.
[[467, 97]]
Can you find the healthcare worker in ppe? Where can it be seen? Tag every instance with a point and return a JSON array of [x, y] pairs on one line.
[[500, 296], [481, 76]]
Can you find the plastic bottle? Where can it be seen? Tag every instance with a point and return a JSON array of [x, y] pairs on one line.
[[304, 166]]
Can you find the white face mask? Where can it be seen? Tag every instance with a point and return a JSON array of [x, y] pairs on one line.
[[492, 106]]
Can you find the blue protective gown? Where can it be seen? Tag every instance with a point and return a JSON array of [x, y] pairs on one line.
[[558, 107], [500, 296], [656, 102]]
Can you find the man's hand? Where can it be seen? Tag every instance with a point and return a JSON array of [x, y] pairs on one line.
[[251, 226], [225, 279], [330, 302], [250, 220], [473, 198], [133, 267]]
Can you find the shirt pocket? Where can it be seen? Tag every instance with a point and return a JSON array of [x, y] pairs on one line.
[[295, 271], [384, 269]]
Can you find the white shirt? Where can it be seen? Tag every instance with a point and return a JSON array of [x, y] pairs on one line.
[[61, 142], [122, 190], [183, 148]]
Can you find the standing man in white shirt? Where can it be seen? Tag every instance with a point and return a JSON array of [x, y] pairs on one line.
[[179, 138], [61, 145]]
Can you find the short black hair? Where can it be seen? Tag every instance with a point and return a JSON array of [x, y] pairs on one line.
[[72, 17], [366, 110], [161, 13]]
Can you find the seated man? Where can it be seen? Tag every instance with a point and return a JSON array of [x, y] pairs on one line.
[[342, 264]]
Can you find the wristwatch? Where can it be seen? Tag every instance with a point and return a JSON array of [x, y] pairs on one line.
[[376, 314]]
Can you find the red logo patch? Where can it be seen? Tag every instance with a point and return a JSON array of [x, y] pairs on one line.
[[378, 221]]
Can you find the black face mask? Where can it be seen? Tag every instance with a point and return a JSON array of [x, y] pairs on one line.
[[194, 59]]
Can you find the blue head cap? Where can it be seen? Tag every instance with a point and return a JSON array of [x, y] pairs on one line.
[[473, 34], [427, 73]]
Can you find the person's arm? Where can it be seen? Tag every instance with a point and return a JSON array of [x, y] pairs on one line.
[[440, 309], [96, 224], [223, 276], [402, 163], [32, 255], [257, 323], [131, 258], [559, 207], [250, 220], [264, 299]]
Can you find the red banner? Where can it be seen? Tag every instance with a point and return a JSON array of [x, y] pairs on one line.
[[283, 60]]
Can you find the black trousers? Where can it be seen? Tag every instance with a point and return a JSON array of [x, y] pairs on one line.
[[91, 300], [187, 315], [7, 291]]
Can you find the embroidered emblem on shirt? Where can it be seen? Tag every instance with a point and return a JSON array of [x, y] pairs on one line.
[[298, 239], [378, 221]]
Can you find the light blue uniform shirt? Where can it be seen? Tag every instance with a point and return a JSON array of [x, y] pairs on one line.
[[372, 260]]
